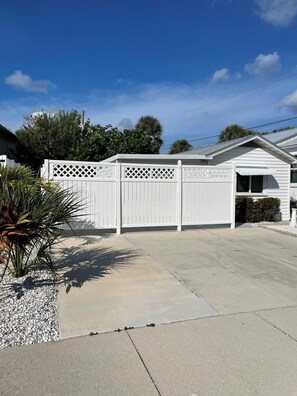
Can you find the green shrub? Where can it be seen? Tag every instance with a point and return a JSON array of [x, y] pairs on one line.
[[31, 209], [242, 208], [253, 211], [293, 203]]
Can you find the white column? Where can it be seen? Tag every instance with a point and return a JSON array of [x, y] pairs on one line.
[[293, 218], [233, 195], [119, 199], [179, 196]]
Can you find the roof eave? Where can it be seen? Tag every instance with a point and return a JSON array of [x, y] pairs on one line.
[[177, 157], [251, 138], [8, 131]]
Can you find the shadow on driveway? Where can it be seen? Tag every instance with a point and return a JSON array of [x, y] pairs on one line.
[[84, 263]]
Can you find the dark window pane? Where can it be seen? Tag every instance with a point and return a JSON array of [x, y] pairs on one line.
[[294, 176], [257, 184], [242, 183]]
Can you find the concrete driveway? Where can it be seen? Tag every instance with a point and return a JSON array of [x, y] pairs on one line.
[[242, 270], [240, 338], [108, 284], [135, 279]]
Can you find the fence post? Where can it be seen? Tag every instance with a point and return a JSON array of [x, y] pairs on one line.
[[119, 199], [4, 160], [44, 171], [293, 218], [233, 195], [179, 195]]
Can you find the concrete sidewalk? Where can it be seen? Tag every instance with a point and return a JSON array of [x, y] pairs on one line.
[[239, 354]]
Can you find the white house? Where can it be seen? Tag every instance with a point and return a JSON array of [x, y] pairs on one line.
[[287, 140], [197, 187], [262, 167]]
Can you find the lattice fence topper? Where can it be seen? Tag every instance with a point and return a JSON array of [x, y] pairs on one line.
[[85, 171], [156, 173], [207, 174]]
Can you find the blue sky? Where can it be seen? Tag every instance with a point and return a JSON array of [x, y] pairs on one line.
[[196, 65]]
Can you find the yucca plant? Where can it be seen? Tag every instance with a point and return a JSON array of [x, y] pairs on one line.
[[31, 211]]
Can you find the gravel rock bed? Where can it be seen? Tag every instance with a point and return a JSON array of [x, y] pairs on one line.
[[284, 229], [28, 309]]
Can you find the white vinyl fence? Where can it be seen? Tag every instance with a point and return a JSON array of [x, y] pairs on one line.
[[136, 195], [8, 162]]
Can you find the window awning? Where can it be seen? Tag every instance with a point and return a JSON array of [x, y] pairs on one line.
[[255, 171]]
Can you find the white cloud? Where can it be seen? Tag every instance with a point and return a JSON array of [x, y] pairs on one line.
[[277, 12], [264, 64], [22, 81], [185, 110], [290, 102], [221, 75]]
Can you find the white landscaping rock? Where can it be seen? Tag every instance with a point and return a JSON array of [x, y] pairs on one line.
[[284, 229], [28, 309]]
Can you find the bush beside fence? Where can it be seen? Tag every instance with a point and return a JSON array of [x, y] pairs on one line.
[[249, 210]]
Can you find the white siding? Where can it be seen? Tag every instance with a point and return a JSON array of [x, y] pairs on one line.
[[274, 186]]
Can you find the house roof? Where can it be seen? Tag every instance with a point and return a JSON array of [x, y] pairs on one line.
[[281, 136], [288, 144], [7, 132], [219, 148], [209, 152], [213, 148], [155, 157]]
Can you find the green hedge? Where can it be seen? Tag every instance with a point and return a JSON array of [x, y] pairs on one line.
[[249, 211]]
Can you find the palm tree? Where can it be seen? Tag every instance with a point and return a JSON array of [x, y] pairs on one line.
[[152, 130], [233, 131], [180, 146], [31, 210]]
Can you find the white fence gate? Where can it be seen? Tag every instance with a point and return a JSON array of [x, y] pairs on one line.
[[137, 195]]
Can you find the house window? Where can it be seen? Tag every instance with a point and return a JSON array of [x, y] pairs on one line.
[[249, 184]]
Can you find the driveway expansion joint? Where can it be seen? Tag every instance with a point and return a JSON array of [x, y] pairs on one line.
[[173, 275], [276, 327], [142, 361]]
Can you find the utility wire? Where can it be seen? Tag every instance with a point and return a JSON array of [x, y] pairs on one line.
[[231, 96], [253, 127]]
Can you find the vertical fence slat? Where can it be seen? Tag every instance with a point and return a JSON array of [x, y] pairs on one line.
[[179, 196], [118, 199]]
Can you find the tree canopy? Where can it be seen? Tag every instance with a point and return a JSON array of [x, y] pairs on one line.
[[179, 146], [150, 131], [66, 136], [233, 131]]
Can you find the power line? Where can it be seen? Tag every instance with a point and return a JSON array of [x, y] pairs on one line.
[[272, 123], [253, 127], [231, 96]]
